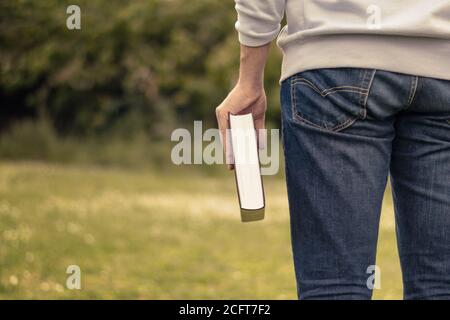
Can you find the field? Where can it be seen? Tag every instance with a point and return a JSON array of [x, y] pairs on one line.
[[149, 235]]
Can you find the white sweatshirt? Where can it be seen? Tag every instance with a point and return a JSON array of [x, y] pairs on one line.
[[406, 36]]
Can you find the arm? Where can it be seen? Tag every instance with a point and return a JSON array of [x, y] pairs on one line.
[[248, 95], [258, 24]]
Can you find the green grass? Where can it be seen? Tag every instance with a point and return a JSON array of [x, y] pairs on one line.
[[149, 235]]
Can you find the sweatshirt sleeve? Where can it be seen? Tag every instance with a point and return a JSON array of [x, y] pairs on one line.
[[258, 21]]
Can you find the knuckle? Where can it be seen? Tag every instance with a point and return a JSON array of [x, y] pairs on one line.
[[221, 113], [218, 111]]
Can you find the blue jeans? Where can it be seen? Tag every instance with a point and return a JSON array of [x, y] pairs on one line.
[[344, 131]]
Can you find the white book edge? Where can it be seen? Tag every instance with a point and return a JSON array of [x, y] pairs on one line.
[[247, 168]]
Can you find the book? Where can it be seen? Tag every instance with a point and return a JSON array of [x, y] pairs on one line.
[[249, 183]]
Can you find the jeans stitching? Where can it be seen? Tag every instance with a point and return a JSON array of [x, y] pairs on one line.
[[325, 92], [293, 99], [412, 90], [368, 77], [307, 83], [367, 80], [363, 82], [342, 87], [345, 124], [298, 117], [301, 119], [336, 128], [330, 90]]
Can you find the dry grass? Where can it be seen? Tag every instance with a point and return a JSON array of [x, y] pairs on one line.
[[144, 235]]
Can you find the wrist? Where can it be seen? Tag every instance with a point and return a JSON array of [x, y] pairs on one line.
[[251, 88]]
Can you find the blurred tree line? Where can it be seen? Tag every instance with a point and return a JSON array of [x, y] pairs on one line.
[[135, 66]]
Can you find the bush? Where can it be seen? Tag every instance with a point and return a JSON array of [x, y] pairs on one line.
[[38, 141]]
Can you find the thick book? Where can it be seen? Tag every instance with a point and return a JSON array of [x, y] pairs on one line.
[[247, 168]]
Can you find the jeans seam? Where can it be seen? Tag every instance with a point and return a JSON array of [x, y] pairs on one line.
[[328, 91], [293, 100], [368, 77], [336, 128], [412, 91]]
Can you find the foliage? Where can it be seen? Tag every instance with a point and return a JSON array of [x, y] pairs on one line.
[[37, 141], [141, 65]]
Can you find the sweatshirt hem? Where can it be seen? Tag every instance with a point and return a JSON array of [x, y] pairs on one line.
[[427, 57]]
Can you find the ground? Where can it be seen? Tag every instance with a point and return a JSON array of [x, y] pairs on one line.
[[149, 235]]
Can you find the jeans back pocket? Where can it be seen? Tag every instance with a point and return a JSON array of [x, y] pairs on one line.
[[330, 99]]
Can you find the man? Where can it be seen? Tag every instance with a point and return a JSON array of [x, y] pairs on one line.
[[365, 91]]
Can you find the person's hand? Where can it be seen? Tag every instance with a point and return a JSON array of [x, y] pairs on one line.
[[241, 100]]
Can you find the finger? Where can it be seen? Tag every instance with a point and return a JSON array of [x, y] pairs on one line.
[[222, 122], [229, 155], [224, 125]]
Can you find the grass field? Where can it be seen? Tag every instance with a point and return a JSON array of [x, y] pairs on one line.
[[149, 235]]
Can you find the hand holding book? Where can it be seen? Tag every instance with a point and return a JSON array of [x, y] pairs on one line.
[[245, 108], [248, 95], [238, 102]]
